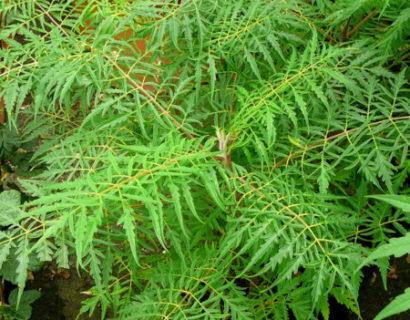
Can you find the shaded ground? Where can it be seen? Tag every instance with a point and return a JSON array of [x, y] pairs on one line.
[[60, 295], [373, 298]]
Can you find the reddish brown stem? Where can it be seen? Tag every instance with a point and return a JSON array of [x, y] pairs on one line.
[[327, 139], [362, 22], [343, 31], [2, 112], [322, 32]]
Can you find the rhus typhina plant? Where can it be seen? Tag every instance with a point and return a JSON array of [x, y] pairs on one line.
[[209, 159]]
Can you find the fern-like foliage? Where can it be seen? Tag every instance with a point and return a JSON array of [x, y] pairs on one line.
[[197, 286], [207, 159]]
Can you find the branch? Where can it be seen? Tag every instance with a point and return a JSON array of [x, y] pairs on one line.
[[2, 112], [362, 22], [343, 31], [147, 172], [323, 141], [321, 31], [53, 20], [135, 84]]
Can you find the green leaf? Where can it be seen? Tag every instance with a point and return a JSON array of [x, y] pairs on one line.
[[9, 141], [127, 221], [401, 202], [400, 304], [27, 298], [9, 207], [4, 253], [186, 190], [67, 85], [318, 284], [10, 95], [396, 246], [22, 310], [22, 266], [212, 71], [177, 205], [156, 218], [211, 185], [251, 60]]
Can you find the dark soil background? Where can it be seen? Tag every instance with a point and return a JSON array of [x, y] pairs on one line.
[[373, 298], [61, 294]]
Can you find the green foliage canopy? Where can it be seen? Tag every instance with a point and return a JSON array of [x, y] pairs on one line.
[[237, 147]]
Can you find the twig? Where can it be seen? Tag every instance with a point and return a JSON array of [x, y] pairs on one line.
[[2, 297], [53, 20], [343, 31], [138, 86], [362, 22], [2, 112], [321, 31], [321, 142], [404, 57], [135, 84]]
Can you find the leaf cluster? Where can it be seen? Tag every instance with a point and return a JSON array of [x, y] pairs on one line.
[[208, 159]]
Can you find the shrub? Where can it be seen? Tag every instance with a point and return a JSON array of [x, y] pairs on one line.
[[208, 159]]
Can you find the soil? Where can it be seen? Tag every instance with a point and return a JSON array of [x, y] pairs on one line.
[[62, 294], [373, 297]]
